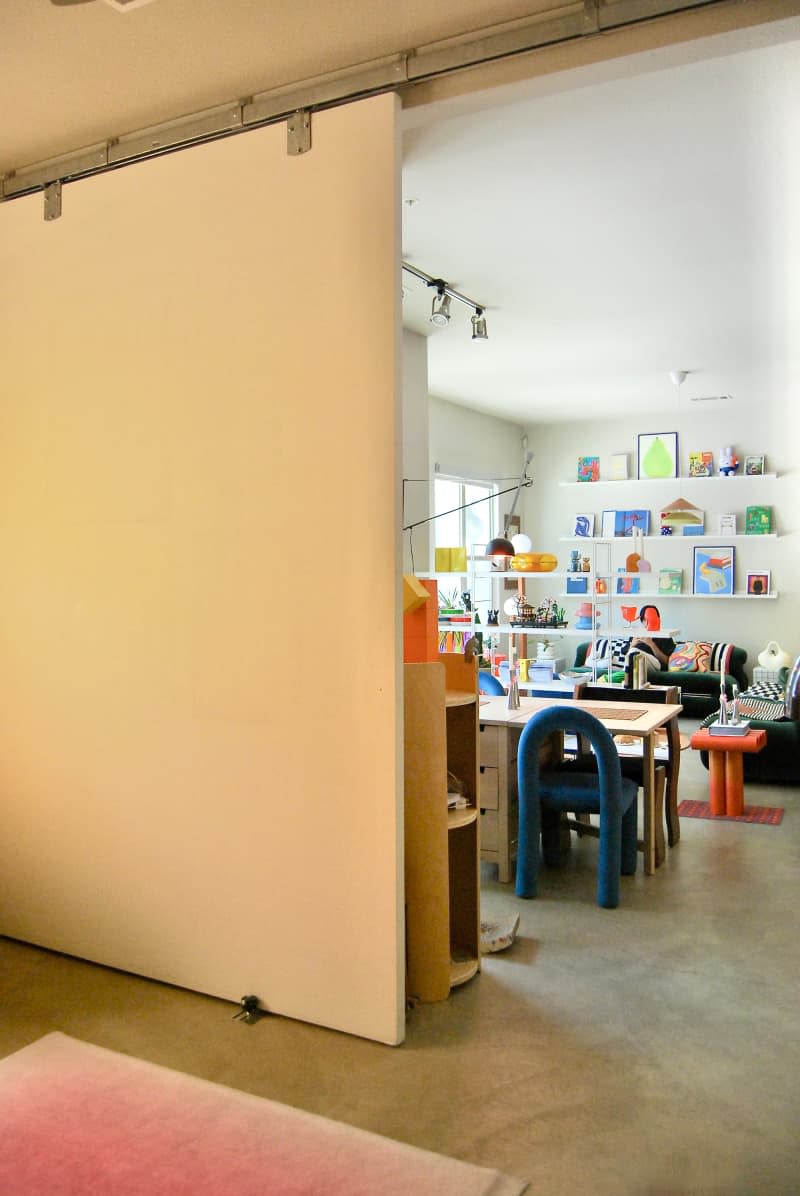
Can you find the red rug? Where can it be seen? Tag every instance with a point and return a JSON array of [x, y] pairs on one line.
[[79, 1120], [767, 815]]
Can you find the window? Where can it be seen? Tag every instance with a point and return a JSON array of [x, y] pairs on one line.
[[473, 525]]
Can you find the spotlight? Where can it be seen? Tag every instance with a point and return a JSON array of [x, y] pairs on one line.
[[479, 332], [440, 309]]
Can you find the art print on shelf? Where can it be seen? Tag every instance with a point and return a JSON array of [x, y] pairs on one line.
[[628, 585], [628, 522], [712, 570], [588, 469], [608, 524], [658, 455], [682, 518], [670, 581], [758, 521], [701, 465], [727, 524], [758, 584], [754, 466], [618, 467], [584, 525]]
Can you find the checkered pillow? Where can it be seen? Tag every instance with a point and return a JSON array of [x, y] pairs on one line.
[[604, 648], [770, 690]]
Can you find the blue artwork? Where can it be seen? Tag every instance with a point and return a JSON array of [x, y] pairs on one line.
[[628, 521], [713, 571]]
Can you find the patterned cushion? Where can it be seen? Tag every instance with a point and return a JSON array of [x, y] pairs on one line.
[[770, 690], [697, 656], [617, 649]]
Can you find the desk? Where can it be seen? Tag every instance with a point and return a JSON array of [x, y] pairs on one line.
[[641, 721]]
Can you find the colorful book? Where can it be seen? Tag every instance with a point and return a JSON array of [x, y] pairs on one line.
[[701, 465], [588, 469], [758, 521]]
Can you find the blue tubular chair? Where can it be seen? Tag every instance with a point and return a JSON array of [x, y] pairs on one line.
[[544, 795], [488, 683]]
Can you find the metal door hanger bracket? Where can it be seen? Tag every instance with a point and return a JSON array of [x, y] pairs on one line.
[[249, 1011], [298, 132], [52, 201]]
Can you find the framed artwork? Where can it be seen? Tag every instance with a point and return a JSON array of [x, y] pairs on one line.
[[701, 465], [627, 522], [658, 454], [618, 467], [758, 584], [754, 465], [758, 521], [588, 469], [628, 585], [727, 524], [584, 525], [608, 524], [712, 570]]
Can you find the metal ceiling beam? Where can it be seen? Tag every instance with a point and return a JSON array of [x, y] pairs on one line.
[[562, 23]]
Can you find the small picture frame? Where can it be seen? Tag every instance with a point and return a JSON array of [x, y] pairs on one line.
[[727, 524], [658, 454], [618, 467], [712, 571], [628, 585], [701, 464], [608, 525], [584, 525], [754, 465], [588, 469], [758, 584]]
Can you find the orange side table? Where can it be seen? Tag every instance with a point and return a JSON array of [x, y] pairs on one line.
[[725, 767]]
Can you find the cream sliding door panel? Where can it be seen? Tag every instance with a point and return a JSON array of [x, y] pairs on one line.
[[199, 735]]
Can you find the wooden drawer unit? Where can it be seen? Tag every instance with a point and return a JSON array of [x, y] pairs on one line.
[[497, 747], [489, 744], [488, 781]]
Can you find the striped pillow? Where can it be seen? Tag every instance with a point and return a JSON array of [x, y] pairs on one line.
[[616, 649]]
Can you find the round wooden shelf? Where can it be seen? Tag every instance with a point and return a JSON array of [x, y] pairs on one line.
[[463, 817]]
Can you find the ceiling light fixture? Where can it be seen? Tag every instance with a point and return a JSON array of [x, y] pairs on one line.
[[677, 377], [440, 308], [479, 332]]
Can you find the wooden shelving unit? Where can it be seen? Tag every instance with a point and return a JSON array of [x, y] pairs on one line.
[[442, 847]]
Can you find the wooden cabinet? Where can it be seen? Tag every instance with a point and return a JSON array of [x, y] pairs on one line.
[[498, 796], [441, 846]]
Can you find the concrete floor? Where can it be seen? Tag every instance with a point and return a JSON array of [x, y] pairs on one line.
[[653, 1049]]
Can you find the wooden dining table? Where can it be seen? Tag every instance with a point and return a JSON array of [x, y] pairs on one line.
[[639, 720]]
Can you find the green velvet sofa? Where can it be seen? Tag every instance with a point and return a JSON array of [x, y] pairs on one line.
[[699, 691]]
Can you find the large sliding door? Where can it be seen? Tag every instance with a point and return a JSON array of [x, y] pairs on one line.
[[199, 719]]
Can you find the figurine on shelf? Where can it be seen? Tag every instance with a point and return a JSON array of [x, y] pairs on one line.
[[491, 618], [575, 561], [728, 461]]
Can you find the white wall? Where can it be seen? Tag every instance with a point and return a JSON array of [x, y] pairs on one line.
[[199, 729], [551, 507]]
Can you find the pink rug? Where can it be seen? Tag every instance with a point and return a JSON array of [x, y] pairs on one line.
[[766, 815], [79, 1120]]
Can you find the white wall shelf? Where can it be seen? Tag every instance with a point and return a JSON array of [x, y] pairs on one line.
[[707, 537], [715, 477]]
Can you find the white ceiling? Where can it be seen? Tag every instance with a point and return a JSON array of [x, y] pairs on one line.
[[617, 229], [618, 222]]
